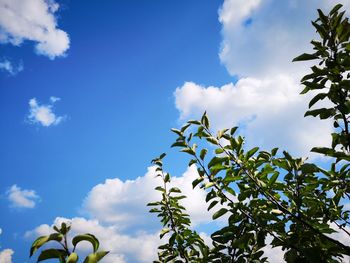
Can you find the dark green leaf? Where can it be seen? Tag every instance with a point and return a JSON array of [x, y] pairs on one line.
[[304, 57], [219, 213], [52, 253]]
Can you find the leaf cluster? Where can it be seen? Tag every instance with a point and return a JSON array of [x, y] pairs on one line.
[[270, 197], [63, 253]]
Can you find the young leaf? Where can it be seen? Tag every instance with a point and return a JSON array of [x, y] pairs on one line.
[[95, 257], [73, 258], [86, 237], [203, 153], [44, 239]]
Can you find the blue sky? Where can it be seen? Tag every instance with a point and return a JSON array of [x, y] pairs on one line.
[[89, 91]]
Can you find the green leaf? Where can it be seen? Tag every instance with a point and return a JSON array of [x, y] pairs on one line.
[[233, 130], [52, 253], [212, 204], [208, 185], [160, 189], [189, 151], [273, 178], [216, 160], [44, 239], [179, 144], [194, 122], [184, 128], [335, 9], [319, 96], [163, 232], [304, 57], [323, 113], [205, 120], [276, 211], [251, 152], [197, 181], [219, 150], [64, 228], [174, 190], [178, 132], [212, 140], [203, 153], [167, 178], [95, 257], [86, 237], [219, 213], [73, 258]]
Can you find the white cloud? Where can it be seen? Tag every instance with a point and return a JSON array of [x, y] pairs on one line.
[[33, 20], [22, 198], [260, 39], [43, 114], [6, 255], [124, 203], [269, 112], [118, 216], [138, 247], [278, 32], [114, 208], [6, 65], [242, 9]]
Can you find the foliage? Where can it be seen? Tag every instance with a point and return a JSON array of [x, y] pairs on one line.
[[268, 195], [63, 254]]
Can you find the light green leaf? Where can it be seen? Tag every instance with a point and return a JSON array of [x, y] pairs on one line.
[[95, 257], [44, 239], [273, 178], [86, 237], [203, 153], [73, 258]]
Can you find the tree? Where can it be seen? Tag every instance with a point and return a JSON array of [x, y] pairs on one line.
[[296, 203], [64, 254]]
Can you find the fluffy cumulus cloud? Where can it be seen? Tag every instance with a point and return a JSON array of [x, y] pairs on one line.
[[8, 66], [22, 198], [269, 112], [6, 255], [118, 216], [33, 20], [261, 37], [124, 203], [43, 113], [139, 247], [115, 209], [259, 40]]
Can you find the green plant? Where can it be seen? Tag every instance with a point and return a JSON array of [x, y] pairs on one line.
[[268, 194], [64, 254]]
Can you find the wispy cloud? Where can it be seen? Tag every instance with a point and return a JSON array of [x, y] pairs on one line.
[[43, 113], [21, 198], [33, 20], [8, 66]]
